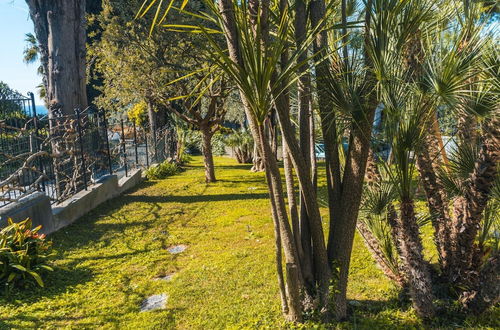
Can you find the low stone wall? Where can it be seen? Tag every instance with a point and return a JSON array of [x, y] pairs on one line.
[[37, 205]]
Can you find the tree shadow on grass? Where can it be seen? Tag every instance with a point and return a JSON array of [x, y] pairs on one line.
[[60, 281], [244, 167], [195, 198], [386, 314]]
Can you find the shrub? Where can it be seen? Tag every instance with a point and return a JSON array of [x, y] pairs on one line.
[[242, 144], [218, 144], [24, 254], [162, 170]]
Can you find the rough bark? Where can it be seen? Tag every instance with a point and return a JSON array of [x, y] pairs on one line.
[[373, 246], [373, 177], [208, 158], [486, 292], [416, 269], [429, 159], [468, 209], [437, 203], [61, 32], [342, 237]]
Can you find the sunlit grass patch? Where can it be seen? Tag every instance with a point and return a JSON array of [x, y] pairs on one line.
[[110, 261]]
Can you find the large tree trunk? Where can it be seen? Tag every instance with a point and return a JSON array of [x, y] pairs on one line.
[[208, 158], [61, 32]]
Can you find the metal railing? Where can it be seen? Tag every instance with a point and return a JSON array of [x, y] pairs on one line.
[[63, 155]]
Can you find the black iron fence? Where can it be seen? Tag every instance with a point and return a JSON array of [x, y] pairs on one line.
[[64, 155]]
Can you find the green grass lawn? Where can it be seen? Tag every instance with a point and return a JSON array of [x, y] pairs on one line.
[[108, 262]]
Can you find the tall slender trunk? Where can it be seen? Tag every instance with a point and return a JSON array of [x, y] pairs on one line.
[[294, 278], [344, 195], [322, 268], [342, 237], [304, 100], [208, 158], [314, 163], [292, 202]]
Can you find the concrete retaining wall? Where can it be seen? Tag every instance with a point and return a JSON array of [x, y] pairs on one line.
[[37, 205]]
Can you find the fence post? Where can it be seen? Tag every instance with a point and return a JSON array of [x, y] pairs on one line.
[[79, 128], [123, 148], [135, 145], [37, 137], [107, 140]]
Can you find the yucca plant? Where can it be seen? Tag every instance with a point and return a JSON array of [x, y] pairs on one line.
[[24, 255], [241, 142]]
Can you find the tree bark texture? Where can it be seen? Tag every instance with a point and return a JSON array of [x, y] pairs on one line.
[[208, 159], [469, 208], [414, 265], [61, 32], [304, 100]]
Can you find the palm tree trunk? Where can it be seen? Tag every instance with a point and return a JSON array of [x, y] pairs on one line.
[[294, 278], [486, 292], [469, 208], [320, 258], [373, 246], [410, 247], [304, 100], [292, 202], [437, 203]]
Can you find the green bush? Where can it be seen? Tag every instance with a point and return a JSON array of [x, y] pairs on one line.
[[162, 170], [24, 255], [218, 144]]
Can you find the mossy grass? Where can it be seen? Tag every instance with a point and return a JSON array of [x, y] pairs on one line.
[[107, 263]]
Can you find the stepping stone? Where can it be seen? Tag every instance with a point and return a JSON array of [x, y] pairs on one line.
[[157, 301], [165, 278], [177, 248]]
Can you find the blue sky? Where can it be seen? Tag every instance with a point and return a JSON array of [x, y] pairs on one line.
[[14, 24]]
